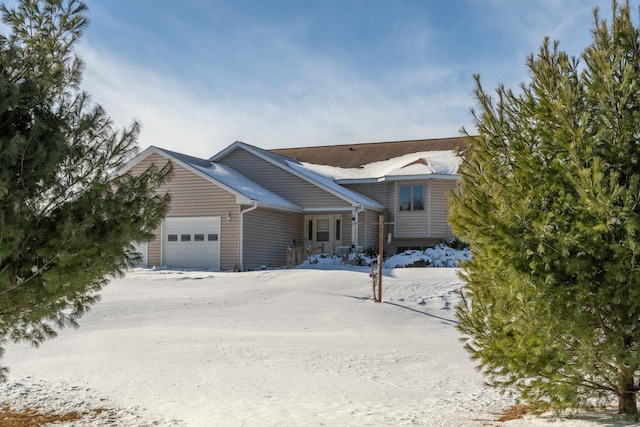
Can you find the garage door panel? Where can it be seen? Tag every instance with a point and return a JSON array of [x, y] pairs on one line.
[[192, 242]]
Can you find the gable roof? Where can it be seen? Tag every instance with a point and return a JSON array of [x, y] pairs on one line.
[[300, 170], [245, 190], [356, 155]]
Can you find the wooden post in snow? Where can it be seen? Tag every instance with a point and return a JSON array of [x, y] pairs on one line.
[[380, 251]]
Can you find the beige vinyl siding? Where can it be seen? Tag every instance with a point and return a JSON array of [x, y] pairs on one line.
[[411, 224], [280, 181], [267, 234], [369, 238], [194, 196], [439, 208], [376, 191], [432, 221], [154, 250]]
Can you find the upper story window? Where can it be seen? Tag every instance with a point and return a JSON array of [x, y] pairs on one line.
[[411, 198]]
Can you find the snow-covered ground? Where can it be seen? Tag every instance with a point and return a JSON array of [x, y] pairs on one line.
[[301, 347]]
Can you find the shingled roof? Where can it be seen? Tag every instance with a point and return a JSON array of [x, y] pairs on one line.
[[356, 155]]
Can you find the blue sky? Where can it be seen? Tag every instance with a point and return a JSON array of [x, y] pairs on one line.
[[200, 74]]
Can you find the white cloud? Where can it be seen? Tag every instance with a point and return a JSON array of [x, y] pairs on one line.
[[568, 21], [317, 102]]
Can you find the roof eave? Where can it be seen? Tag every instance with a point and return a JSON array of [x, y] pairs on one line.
[[357, 181], [419, 177], [275, 206], [371, 206], [377, 208], [347, 181]]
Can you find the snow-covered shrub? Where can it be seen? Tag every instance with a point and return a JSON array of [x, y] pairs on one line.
[[440, 256], [360, 259]]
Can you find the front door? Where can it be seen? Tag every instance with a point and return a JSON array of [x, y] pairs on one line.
[[323, 231]]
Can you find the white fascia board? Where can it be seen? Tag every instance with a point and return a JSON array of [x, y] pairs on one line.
[[420, 177], [345, 209], [241, 199], [274, 206], [347, 181], [340, 209], [357, 181], [375, 208]]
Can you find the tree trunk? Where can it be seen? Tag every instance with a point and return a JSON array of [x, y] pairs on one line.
[[626, 385], [627, 397], [627, 404]]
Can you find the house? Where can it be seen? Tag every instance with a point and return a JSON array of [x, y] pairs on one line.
[[248, 207]]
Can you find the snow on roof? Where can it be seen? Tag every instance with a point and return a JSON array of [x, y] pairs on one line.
[[424, 163], [244, 185], [445, 162], [329, 182], [359, 154]]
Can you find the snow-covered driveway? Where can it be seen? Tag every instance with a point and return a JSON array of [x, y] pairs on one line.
[[270, 348]]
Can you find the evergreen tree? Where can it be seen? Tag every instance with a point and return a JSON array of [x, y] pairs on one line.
[[549, 200], [67, 221]]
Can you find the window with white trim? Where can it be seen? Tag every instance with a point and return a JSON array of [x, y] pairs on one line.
[[411, 197]]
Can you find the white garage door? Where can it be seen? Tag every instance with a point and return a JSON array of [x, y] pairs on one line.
[[191, 242]]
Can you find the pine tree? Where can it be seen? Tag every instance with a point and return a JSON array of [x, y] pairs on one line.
[[67, 221], [549, 200]]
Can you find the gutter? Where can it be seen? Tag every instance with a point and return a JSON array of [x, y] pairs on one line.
[[441, 176], [254, 207], [385, 178]]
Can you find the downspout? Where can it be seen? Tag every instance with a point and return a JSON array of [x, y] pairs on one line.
[[254, 207], [354, 225]]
